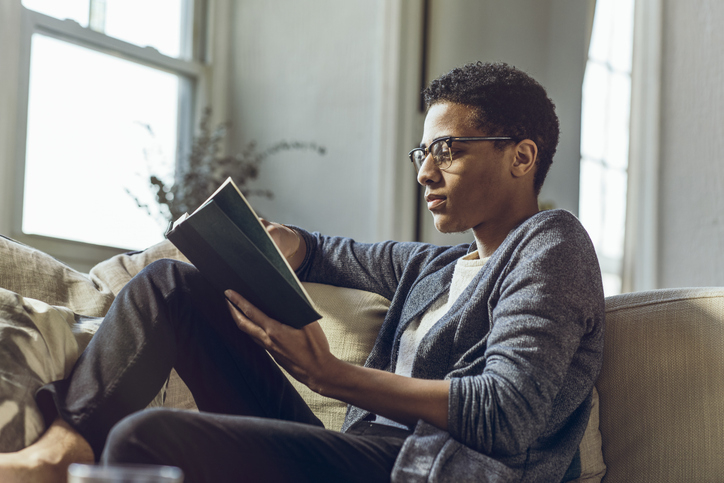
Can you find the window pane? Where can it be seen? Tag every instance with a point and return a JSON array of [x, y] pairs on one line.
[[593, 111], [611, 284], [87, 143], [622, 38], [614, 219], [618, 115], [157, 24], [591, 193], [600, 47], [73, 9]]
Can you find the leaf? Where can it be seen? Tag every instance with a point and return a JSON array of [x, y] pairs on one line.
[[205, 168]]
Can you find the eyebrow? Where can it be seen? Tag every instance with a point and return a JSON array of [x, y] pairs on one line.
[[423, 146]]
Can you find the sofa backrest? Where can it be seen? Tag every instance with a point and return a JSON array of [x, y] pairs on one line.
[[662, 386], [351, 320]]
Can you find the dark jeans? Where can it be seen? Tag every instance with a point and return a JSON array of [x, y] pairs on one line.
[[252, 425]]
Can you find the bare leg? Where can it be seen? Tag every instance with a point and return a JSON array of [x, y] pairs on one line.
[[47, 459]]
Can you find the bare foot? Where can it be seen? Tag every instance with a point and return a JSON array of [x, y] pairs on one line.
[[46, 460]]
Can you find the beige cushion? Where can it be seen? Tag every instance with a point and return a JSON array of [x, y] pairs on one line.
[[40, 334], [592, 466], [351, 321], [662, 386], [37, 346], [34, 274], [115, 272]]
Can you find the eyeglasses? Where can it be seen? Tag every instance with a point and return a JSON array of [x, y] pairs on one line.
[[441, 151]]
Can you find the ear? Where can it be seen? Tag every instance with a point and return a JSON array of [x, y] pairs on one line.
[[525, 156]]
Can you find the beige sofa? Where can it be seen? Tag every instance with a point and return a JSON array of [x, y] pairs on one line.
[[661, 389]]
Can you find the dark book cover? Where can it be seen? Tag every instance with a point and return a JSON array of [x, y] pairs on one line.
[[227, 242]]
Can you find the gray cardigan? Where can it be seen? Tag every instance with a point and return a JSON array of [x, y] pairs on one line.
[[522, 346]]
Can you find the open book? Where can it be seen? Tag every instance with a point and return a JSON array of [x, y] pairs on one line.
[[227, 242]]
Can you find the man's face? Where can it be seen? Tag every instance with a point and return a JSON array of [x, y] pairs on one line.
[[477, 190]]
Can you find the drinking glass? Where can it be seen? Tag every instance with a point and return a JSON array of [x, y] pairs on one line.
[[78, 473]]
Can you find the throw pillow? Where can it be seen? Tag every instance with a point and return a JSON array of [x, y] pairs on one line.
[[351, 320], [35, 274], [41, 333], [37, 346], [592, 466], [115, 272]]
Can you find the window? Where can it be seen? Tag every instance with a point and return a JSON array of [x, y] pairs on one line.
[[605, 135], [109, 88]]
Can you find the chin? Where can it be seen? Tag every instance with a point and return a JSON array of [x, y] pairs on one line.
[[447, 228]]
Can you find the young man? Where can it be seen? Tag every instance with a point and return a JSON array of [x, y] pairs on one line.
[[482, 370]]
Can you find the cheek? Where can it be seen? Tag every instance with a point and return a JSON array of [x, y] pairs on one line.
[[477, 198]]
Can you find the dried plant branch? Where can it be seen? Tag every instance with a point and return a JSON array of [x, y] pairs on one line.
[[206, 168]]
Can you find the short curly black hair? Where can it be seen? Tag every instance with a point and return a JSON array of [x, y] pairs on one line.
[[508, 102]]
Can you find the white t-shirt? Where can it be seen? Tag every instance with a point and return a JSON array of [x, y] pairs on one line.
[[466, 269]]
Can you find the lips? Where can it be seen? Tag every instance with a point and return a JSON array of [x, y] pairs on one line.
[[434, 201]]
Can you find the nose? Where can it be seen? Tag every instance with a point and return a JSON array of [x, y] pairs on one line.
[[429, 173]]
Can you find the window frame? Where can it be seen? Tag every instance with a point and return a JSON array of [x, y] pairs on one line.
[[191, 71], [611, 265]]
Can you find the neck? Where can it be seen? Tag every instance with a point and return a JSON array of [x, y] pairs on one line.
[[490, 235]]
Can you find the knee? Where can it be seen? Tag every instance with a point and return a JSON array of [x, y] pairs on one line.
[[144, 437], [162, 275], [166, 268]]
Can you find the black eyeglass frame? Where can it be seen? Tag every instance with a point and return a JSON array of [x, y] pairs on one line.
[[445, 163]]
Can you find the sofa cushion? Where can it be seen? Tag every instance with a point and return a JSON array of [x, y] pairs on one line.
[[35, 274], [114, 273], [593, 467], [41, 331], [351, 320], [38, 347], [662, 386]]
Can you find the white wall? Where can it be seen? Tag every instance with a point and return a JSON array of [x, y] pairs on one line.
[[691, 177], [312, 71]]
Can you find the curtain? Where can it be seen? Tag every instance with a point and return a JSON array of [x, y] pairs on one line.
[[641, 245], [10, 34], [215, 87]]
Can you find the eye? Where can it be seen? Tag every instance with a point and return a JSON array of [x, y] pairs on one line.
[[453, 151]]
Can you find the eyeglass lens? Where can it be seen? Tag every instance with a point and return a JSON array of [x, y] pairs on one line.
[[440, 154]]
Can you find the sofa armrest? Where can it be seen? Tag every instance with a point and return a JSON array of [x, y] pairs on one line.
[[662, 386]]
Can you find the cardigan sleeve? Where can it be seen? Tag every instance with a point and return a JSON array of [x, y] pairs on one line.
[[543, 351], [374, 267]]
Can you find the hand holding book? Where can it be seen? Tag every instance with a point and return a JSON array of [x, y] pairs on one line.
[[289, 242], [234, 249], [303, 352]]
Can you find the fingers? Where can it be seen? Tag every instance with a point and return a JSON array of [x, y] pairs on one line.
[[240, 303], [245, 325], [302, 352], [248, 318]]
